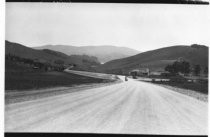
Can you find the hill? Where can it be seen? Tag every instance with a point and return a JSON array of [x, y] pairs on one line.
[[158, 59], [82, 62], [103, 53]]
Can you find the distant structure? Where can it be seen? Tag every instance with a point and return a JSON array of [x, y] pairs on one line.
[[140, 72]]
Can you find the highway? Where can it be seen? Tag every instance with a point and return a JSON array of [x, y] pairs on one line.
[[130, 107]]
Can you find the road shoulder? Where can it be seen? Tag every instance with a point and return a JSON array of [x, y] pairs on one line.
[[21, 96], [188, 92]]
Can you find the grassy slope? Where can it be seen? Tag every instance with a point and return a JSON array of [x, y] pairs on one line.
[[21, 77], [103, 53], [82, 61], [158, 59]]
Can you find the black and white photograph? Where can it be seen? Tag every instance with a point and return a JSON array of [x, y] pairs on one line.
[[106, 68]]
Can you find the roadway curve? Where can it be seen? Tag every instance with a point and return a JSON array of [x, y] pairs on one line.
[[129, 107]]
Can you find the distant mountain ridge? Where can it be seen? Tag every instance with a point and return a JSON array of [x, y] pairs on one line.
[[50, 56], [103, 53], [157, 59]]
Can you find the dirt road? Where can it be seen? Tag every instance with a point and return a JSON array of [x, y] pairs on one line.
[[129, 107], [91, 74]]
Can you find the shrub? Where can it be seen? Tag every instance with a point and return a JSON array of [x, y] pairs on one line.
[[178, 79]]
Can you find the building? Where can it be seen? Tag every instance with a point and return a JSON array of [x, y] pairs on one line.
[[160, 73], [140, 72], [156, 73]]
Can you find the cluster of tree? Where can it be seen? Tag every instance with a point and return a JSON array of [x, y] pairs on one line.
[[35, 63], [185, 68]]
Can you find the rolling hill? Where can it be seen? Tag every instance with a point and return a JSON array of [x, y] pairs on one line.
[[103, 53], [49, 56], [158, 59]]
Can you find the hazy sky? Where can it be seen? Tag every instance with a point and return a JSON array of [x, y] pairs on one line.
[[139, 26]]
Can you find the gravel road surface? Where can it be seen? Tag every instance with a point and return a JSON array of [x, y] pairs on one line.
[[130, 107]]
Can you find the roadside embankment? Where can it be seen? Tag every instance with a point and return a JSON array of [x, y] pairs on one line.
[[192, 93], [27, 95], [37, 85]]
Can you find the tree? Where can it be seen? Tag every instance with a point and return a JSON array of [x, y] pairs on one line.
[[183, 67], [197, 70], [176, 66], [170, 69]]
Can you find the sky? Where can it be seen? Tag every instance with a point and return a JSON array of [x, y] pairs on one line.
[[142, 27]]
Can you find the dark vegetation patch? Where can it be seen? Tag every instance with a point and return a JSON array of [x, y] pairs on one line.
[[19, 76], [199, 85]]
